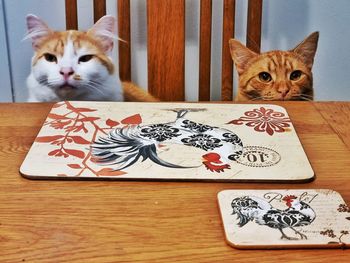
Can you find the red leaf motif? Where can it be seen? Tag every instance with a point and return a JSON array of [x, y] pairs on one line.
[[74, 128], [57, 105], [83, 110], [109, 172], [134, 119], [74, 166], [269, 130], [56, 116], [79, 140], [111, 123], [54, 152], [89, 119], [237, 122], [60, 124], [48, 138], [75, 153]]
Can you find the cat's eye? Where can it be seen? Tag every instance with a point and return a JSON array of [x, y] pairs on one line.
[[50, 58], [295, 75], [265, 77], [85, 58]]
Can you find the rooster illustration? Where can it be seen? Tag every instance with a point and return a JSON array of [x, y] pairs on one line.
[[298, 214], [125, 146]]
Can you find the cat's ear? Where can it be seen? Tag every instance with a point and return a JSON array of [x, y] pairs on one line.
[[241, 55], [37, 30], [307, 49], [104, 30]]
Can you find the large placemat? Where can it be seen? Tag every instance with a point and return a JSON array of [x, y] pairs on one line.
[[167, 141]]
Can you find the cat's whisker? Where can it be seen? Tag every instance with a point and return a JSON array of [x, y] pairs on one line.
[[93, 87], [258, 98], [53, 82], [305, 95], [95, 83], [268, 98], [305, 98], [302, 96]]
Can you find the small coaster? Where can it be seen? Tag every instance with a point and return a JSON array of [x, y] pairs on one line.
[[268, 219], [167, 141]]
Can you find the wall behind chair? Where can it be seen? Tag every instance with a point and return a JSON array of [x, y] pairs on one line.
[[285, 23]]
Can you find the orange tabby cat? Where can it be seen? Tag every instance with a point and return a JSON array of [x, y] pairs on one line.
[[275, 75], [75, 65]]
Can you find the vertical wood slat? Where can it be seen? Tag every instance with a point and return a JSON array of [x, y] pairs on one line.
[[99, 9], [124, 34], [71, 14], [227, 63], [166, 49], [254, 24], [205, 49]]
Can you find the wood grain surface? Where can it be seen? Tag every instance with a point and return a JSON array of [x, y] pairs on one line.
[[125, 45], [99, 9], [332, 112], [228, 32], [205, 49], [89, 221], [254, 25], [166, 49], [71, 14]]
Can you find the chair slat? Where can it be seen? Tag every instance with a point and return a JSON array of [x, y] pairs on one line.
[[254, 24], [227, 63], [99, 9], [71, 14], [205, 49], [124, 34], [166, 49]]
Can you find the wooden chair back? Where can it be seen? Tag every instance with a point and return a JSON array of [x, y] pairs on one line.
[[166, 43]]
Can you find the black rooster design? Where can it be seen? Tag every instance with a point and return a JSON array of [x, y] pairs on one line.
[[123, 147], [251, 208]]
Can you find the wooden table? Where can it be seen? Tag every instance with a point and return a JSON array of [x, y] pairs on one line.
[[99, 221]]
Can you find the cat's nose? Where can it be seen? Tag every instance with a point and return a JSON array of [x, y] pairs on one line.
[[283, 90], [66, 72]]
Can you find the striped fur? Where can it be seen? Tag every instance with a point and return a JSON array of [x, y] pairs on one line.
[[275, 75]]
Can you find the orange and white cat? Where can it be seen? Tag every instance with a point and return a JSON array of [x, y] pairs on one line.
[[275, 75], [75, 65]]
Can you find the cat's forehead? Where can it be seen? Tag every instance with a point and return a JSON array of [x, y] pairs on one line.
[[274, 60], [56, 42]]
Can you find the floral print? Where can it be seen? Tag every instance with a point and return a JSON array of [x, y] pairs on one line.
[[264, 120], [198, 127], [202, 141], [343, 208], [232, 138], [160, 132]]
